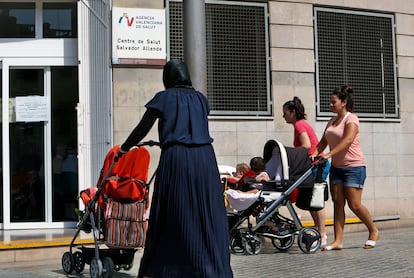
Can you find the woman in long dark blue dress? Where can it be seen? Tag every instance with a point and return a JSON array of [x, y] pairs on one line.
[[188, 233]]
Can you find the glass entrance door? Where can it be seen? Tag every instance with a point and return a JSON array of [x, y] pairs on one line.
[[27, 148], [64, 134], [43, 163]]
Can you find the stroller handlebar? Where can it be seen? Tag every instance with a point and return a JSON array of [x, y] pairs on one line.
[[318, 160], [150, 143]]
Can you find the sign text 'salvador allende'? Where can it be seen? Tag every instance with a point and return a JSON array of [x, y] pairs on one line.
[[134, 45]]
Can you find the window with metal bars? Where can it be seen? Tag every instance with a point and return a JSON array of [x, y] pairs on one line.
[[238, 81], [356, 48]]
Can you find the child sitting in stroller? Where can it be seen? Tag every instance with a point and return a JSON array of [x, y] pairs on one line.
[[241, 168], [230, 181], [251, 181], [247, 189]]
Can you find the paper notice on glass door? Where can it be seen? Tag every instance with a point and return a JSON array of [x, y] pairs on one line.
[[32, 109]]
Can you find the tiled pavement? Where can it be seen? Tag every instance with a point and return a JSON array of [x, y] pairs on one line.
[[392, 257]]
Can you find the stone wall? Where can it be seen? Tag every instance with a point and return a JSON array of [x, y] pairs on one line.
[[388, 146]]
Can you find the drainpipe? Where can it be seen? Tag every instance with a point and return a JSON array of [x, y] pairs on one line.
[[195, 42]]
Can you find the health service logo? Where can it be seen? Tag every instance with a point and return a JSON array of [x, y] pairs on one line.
[[128, 20]]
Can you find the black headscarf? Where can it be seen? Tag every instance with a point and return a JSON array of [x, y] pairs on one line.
[[176, 74]]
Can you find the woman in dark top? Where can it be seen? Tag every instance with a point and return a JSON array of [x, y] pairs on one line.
[[188, 233]]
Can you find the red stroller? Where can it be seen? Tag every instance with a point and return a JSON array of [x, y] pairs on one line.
[[115, 212]]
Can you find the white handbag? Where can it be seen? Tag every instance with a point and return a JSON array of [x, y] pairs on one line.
[[318, 195]]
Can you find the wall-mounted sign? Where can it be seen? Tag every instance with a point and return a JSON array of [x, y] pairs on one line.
[[138, 36], [32, 109]]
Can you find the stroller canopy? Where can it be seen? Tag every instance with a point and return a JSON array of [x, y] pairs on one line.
[[127, 179], [296, 164]]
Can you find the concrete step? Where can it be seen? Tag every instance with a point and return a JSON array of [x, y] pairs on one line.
[[30, 245]]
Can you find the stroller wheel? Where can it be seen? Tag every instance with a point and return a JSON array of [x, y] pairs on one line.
[[283, 243], [96, 268], [79, 262], [309, 240], [108, 267], [252, 244], [237, 246], [68, 262]]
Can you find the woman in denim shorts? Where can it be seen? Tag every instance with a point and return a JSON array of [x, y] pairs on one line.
[[348, 173]]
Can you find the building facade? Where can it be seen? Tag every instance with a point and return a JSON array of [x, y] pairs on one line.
[[64, 104], [304, 62]]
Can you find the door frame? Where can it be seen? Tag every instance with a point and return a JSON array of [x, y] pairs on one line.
[[21, 63]]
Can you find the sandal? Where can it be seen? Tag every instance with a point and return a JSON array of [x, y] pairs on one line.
[[369, 244], [324, 241], [330, 248]]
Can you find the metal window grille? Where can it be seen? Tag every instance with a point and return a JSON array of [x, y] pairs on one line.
[[358, 49], [238, 80]]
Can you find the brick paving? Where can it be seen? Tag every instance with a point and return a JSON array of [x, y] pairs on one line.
[[392, 257]]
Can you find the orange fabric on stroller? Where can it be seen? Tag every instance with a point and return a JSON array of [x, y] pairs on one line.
[[88, 194], [128, 177], [122, 196], [126, 197]]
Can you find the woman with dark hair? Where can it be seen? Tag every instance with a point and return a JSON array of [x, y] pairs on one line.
[[187, 234], [348, 173], [294, 114], [304, 136]]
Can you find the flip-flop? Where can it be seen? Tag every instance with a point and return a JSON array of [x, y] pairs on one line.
[[330, 248], [369, 244], [324, 241]]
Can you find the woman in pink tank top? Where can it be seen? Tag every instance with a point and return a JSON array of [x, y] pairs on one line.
[[348, 173]]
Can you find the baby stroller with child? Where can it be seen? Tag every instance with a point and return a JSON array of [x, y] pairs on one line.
[[291, 171], [115, 212]]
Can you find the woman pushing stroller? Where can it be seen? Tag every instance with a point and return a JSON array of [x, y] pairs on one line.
[[304, 136], [188, 231], [347, 175]]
